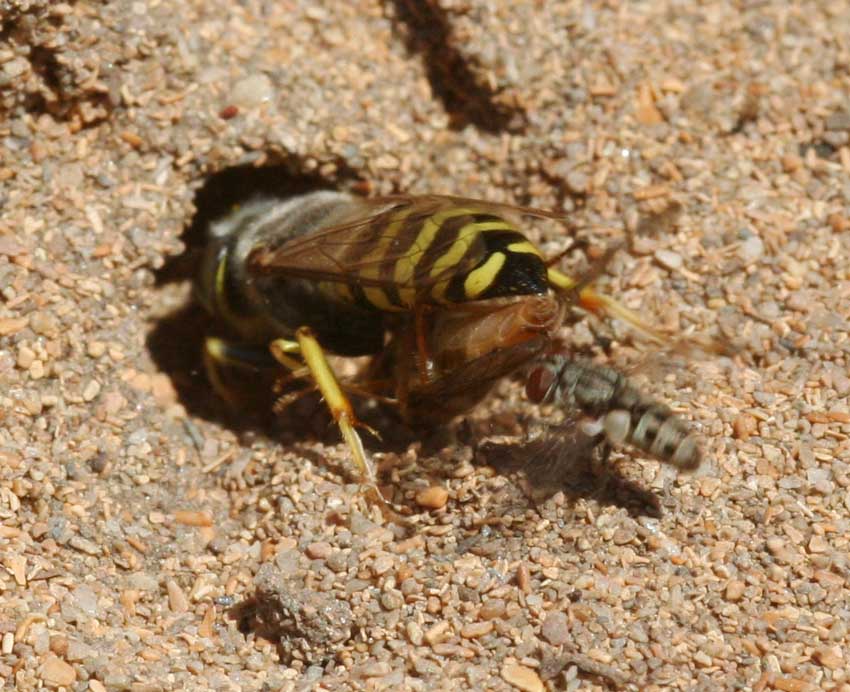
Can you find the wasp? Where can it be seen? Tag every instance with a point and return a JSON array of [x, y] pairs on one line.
[[446, 294]]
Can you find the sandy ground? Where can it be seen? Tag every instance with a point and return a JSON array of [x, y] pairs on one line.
[[152, 539]]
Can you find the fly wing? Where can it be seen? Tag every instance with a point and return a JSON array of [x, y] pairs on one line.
[[465, 385], [406, 243]]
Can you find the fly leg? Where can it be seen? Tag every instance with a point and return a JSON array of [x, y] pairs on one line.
[[307, 347]]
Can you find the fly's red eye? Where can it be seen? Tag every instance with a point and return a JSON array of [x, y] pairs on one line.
[[540, 381]]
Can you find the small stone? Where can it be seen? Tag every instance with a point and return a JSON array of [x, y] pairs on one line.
[[781, 553], [192, 518], [142, 582], [91, 390], [791, 163], [476, 629], [744, 426], [577, 182], [95, 349], [37, 370], [522, 678], [434, 497], [77, 651], [555, 628], [818, 544], [829, 656], [12, 325], [85, 599], [16, 67], [163, 390], [492, 608], [56, 673], [751, 249], [176, 597], [391, 600], [523, 578], [838, 222], [59, 645], [734, 590], [702, 659], [793, 685], [376, 669], [438, 633], [646, 112], [669, 259], [26, 357], [382, 565], [319, 550], [251, 91], [414, 633], [84, 545], [623, 535]]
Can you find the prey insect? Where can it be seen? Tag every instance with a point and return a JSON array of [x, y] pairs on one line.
[[623, 414], [446, 294]]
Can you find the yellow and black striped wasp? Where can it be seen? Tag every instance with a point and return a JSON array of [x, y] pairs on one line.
[[446, 294]]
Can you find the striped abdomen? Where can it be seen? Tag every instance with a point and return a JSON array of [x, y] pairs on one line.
[[626, 414], [394, 254]]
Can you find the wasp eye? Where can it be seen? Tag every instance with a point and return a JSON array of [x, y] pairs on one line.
[[540, 382]]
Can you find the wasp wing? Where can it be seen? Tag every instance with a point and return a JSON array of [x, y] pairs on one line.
[[406, 243]]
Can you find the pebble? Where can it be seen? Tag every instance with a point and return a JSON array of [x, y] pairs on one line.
[[84, 545], [177, 601], [92, 389], [57, 673], [12, 325], [77, 651], [382, 564], [414, 633], [522, 678], [438, 633], [744, 426], [555, 628], [192, 518], [751, 249], [818, 544], [669, 259], [781, 553], [251, 91], [623, 535], [473, 630], [85, 599], [143, 582], [319, 550], [433, 497], [830, 656], [734, 590], [793, 685], [492, 608]]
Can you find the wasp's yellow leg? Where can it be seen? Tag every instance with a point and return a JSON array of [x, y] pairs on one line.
[[313, 357], [218, 352]]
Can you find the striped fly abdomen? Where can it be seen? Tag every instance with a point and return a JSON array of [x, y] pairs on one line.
[[626, 415]]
